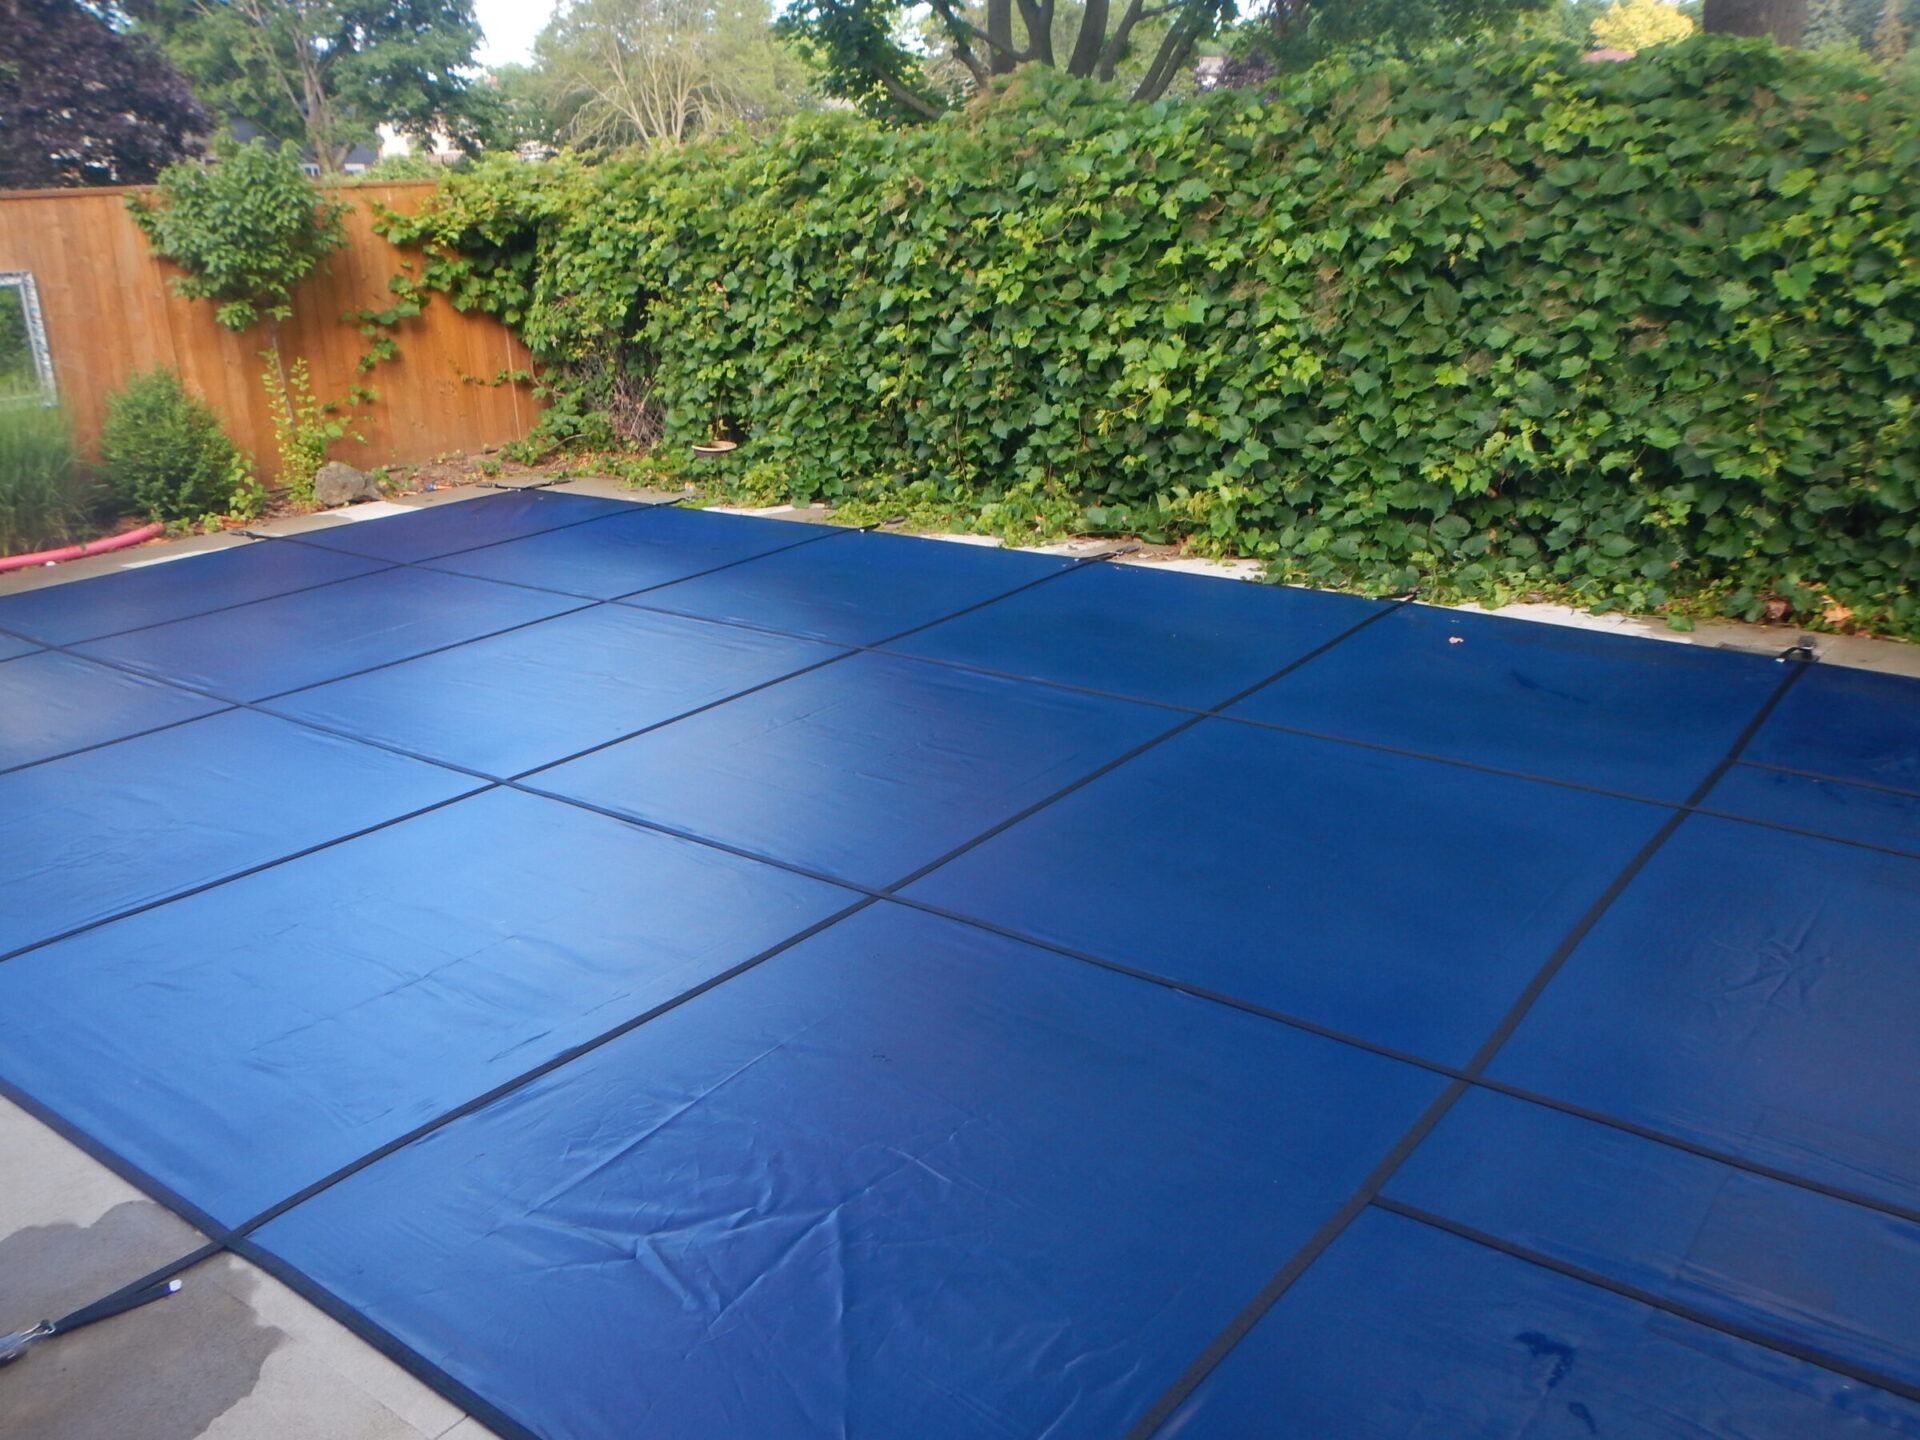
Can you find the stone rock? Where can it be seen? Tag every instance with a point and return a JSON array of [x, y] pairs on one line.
[[338, 484]]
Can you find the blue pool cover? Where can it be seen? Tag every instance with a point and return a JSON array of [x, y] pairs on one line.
[[668, 974]]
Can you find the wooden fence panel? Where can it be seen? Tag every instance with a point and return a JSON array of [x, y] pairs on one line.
[[110, 312]]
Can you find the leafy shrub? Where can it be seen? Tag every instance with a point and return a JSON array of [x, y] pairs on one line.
[[39, 501], [163, 451], [1499, 322], [246, 230]]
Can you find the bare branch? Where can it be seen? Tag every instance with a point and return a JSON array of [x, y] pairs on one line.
[[963, 52], [959, 26], [911, 100], [1175, 46]]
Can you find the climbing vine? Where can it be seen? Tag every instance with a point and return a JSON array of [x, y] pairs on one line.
[[1494, 322]]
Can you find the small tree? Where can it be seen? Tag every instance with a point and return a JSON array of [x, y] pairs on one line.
[[246, 230], [656, 72]]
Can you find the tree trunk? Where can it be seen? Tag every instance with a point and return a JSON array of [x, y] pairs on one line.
[[1784, 20], [1116, 45], [323, 137], [1000, 37], [1093, 34], [1038, 19]]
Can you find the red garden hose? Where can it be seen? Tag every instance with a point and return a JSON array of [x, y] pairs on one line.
[[80, 552]]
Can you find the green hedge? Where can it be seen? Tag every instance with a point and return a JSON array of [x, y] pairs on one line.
[[1500, 322]]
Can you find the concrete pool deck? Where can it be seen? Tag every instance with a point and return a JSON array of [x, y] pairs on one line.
[[1893, 657], [234, 1355], [237, 1356]]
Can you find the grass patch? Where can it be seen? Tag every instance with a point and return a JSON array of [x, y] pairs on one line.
[[40, 492]]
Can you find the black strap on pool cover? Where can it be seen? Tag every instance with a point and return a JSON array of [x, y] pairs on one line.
[[1368, 1195], [144, 1291]]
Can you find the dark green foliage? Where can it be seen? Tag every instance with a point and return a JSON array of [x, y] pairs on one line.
[[163, 453], [860, 53], [328, 72], [1639, 334], [246, 230], [1293, 34], [857, 56], [39, 502]]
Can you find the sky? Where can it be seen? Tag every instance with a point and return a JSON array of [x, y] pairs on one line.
[[510, 26]]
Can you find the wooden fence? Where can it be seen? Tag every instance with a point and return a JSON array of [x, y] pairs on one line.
[[110, 313]]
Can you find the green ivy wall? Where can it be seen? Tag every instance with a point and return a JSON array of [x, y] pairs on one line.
[[1640, 334]]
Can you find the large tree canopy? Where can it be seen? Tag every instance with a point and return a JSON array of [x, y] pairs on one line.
[[328, 72], [83, 104], [858, 46], [1292, 34]]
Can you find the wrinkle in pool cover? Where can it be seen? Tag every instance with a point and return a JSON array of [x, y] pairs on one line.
[[907, 1178]]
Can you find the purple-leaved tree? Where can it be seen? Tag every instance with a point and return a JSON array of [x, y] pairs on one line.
[[84, 103]]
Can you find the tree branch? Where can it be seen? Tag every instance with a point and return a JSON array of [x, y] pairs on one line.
[[1175, 46], [960, 27], [910, 99], [963, 52]]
